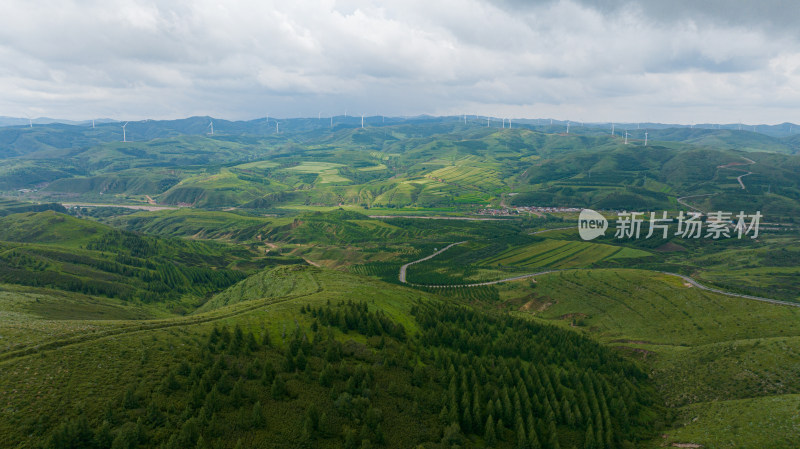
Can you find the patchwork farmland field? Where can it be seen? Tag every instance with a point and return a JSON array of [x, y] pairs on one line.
[[328, 171], [561, 254], [483, 178]]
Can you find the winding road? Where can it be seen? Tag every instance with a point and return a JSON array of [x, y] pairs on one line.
[[728, 166], [403, 269], [735, 164]]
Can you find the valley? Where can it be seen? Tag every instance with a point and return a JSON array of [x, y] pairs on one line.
[[335, 286]]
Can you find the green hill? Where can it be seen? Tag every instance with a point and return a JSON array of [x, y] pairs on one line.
[[53, 250], [722, 362], [357, 360]]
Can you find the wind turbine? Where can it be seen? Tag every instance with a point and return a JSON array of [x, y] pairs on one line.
[[626, 137], [277, 127], [362, 121], [211, 125], [331, 121], [612, 130], [92, 123], [645, 139], [124, 139], [567, 126], [487, 122]]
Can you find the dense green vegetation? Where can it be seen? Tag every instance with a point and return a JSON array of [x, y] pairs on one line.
[[432, 163], [392, 371], [267, 310], [705, 350], [57, 251]]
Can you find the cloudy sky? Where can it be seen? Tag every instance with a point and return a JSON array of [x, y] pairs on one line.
[[680, 61]]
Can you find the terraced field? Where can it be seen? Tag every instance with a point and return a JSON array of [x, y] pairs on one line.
[[561, 254], [480, 177], [328, 171]]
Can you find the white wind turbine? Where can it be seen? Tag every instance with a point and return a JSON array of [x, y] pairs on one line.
[[124, 138], [362, 121], [645, 139], [626, 137], [211, 125], [612, 129], [567, 126]]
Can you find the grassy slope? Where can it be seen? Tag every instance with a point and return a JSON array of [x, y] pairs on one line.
[[52, 250], [702, 347], [102, 365]]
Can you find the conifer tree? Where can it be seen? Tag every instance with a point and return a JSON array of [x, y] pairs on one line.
[[489, 435]]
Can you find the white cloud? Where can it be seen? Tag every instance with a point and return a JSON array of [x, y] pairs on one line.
[[617, 61]]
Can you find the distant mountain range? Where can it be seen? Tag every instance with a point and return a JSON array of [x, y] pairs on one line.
[[246, 126]]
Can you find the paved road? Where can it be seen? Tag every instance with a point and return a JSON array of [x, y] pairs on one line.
[[680, 201], [124, 206], [739, 178], [440, 218], [691, 281], [722, 292], [732, 166], [403, 269]]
